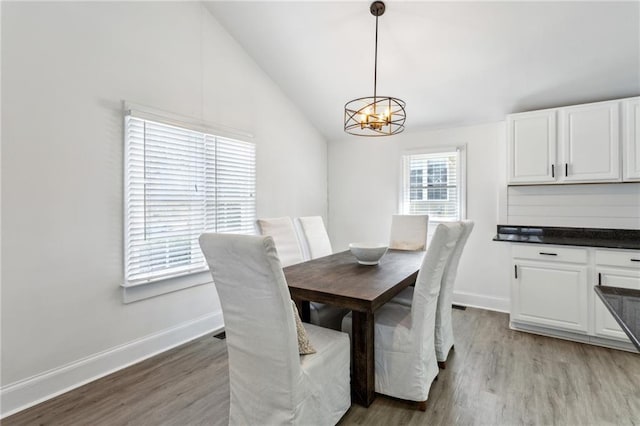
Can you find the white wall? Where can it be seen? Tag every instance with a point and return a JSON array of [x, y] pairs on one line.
[[66, 67], [364, 184]]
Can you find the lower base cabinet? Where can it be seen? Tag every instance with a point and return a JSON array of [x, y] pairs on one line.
[[552, 290], [551, 294]]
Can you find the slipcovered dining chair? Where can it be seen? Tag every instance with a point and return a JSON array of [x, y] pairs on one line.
[[444, 327], [316, 240], [314, 236], [409, 232], [405, 359], [283, 232], [284, 235], [270, 383]]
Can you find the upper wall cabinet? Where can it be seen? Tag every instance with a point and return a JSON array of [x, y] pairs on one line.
[[590, 141], [576, 144], [631, 138], [532, 147]]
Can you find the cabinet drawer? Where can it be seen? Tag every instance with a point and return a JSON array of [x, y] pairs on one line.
[[550, 253], [617, 277], [626, 258]]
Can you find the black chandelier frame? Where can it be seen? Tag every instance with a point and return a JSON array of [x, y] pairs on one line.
[[362, 116]]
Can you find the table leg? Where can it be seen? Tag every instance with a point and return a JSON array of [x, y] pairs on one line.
[[363, 372], [304, 308]]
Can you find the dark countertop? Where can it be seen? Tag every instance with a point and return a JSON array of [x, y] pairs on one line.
[[590, 237], [624, 305]]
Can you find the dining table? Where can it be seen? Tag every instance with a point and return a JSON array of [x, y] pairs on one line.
[[339, 280]]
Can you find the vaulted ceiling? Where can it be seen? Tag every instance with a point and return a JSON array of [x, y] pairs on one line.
[[454, 63]]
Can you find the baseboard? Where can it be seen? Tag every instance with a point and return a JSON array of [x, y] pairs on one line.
[[36, 389], [481, 301]]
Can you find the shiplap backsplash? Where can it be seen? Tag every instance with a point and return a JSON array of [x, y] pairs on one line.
[[582, 206]]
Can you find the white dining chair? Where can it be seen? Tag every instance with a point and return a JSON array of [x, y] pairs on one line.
[[444, 340], [404, 352], [270, 383], [409, 232], [284, 235], [314, 235], [316, 240]]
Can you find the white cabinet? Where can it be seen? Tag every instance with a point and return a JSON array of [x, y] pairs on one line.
[[575, 144], [531, 147], [631, 139], [549, 287], [615, 268], [552, 291], [590, 142]]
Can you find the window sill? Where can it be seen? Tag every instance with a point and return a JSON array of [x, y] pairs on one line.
[[134, 293]]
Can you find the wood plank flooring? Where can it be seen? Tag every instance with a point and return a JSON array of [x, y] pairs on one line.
[[495, 376]]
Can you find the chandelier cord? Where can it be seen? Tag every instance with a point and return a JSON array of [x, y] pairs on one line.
[[375, 64]]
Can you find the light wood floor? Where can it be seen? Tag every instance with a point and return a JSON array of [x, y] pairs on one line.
[[495, 376]]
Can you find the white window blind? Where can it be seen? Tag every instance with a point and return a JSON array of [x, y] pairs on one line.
[[432, 185], [180, 183]]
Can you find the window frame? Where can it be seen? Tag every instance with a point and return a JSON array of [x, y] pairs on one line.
[[134, 291], [461, 149]]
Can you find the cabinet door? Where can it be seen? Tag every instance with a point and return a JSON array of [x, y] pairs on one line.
[[531, 146], [590, 141], [605, 324], [550, 294], [631, 138]]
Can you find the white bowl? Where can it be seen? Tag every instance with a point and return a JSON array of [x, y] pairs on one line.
[[368, 253]]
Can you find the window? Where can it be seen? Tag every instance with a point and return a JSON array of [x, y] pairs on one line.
[[179, 183], [416, 184], [433, 185], [437, 171]]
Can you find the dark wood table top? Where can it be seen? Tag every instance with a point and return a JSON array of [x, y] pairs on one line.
[[340, 280]]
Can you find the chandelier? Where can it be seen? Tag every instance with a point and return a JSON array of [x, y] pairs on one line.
[[375, 115]]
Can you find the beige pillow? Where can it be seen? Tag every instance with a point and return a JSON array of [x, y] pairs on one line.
[[304, 345]]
